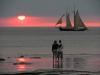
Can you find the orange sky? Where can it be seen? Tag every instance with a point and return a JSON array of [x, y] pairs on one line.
[[34, 21]]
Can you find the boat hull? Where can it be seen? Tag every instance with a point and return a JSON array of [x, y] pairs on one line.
[[80, 30], [65, 29]]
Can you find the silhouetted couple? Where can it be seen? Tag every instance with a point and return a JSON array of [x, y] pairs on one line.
[[57, 51]]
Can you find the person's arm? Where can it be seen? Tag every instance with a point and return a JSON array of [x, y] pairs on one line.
[[61, 46], [52, 48]]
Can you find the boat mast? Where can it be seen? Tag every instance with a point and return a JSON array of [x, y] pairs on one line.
[[66, 17], [75, 26]]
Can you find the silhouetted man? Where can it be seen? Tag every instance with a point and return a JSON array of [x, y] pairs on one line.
[[54, 50]]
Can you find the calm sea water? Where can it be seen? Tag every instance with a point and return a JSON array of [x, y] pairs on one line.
[[37, 42]]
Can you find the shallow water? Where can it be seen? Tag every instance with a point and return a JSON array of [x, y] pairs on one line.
[[9, 67], [31, 42], [71, 62]]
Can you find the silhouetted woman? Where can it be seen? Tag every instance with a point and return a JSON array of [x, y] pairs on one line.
[[60, 52]]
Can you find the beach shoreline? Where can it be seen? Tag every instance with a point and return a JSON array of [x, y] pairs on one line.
[[56, 72]]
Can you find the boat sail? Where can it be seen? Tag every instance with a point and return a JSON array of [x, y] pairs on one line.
[[68, 24], [78, 23]]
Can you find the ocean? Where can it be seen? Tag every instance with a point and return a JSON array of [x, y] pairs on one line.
[[32, 41]]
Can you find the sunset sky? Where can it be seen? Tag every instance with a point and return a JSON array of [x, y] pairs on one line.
[[40, 13]]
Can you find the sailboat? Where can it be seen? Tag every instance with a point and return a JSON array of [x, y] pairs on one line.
[[78, 23]]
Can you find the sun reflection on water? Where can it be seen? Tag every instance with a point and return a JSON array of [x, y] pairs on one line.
[[30, 64], [21, 67]]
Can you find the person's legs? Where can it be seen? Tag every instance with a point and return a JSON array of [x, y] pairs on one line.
[[61, 56], [61, 59], [53, 59], [58, 56]]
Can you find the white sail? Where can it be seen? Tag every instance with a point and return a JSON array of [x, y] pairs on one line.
[[78, 23]]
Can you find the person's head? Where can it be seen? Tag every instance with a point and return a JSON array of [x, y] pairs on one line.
[[59, 41], [55, 41]]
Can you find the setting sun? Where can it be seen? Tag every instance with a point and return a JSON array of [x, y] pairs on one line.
[[21, 17]]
